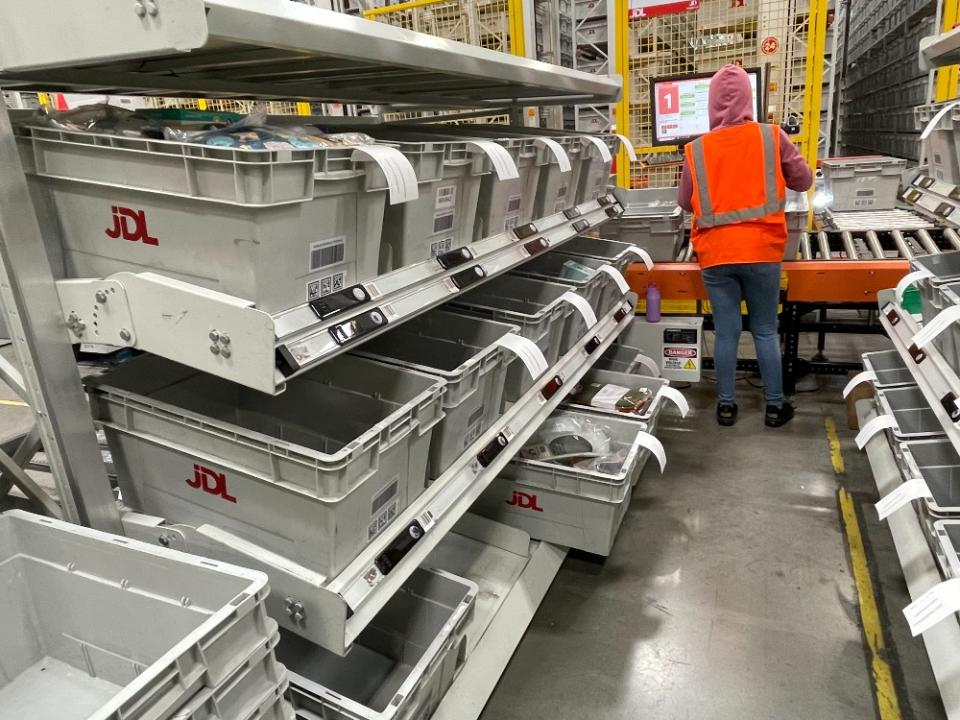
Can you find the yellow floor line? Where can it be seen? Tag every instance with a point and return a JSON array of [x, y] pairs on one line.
[[836, 457], [887, 703], [14, 403]]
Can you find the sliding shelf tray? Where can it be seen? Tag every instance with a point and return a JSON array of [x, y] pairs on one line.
[[229, 337], [936, 379], [338, 608], [935, 199], [269, 48], [920, 568]]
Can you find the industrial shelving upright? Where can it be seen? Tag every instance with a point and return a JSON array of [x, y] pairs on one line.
[[278, 50]]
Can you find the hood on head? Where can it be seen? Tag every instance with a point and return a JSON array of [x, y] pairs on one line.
[[731, 97]]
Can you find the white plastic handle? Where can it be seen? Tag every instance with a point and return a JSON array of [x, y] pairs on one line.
[[503, 164], [582, 306], [864, 377], [642, 254], [902, 496], [528, 352], [928, 130], [617, 278], [943, 320], [600, 145], [677, 398], [908, 280], [558, 152], [878, 424], [647, 361], [400, 175], [628, 146], [934, 606], [655, 447]]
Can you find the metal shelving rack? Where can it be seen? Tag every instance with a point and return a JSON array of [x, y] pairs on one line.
[[278, 49]]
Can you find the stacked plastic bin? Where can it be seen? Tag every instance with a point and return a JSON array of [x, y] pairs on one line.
[[651, 219], [870, 182], [98, 626]]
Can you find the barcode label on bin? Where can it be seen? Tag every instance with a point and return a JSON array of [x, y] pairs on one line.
[[442, 223], [383, 508], [326, 285], [513, 203], [446, 197], [511, 222], [325, 253], [474, 426], [562, 192], [439, 247]]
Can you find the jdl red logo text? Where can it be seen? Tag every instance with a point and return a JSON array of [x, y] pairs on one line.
[[524, 501], [130, 225], [211, 482]]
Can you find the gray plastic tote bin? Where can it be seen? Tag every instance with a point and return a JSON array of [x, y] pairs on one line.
[[615, 253], [402, 664], [575, 508], [862, 183], [911, 412], [600, 290], [651, 219], [942, 152], [936, 298], [463, 351], [100, 627], [313, 474], [532, 305], [947, 534], [276, 227], [889, 369], [937, 462]]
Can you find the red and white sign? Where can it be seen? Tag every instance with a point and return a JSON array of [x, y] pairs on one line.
[[653, 8], [770, 45], [668, 99]]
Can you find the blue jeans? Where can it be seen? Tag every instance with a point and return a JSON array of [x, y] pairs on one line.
[[759, 285]]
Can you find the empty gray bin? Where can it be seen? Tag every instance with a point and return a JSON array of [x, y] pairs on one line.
[[934, 300], [937, 462], [889, 369], [651, 219], [462, 350], [532, 305], [947, 533], [615, 253], [400, 666], [313, 474], [911, 412], [276, 227], [600, 290], [100, 627]]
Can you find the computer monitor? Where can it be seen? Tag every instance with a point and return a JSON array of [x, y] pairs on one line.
[[679, 106]]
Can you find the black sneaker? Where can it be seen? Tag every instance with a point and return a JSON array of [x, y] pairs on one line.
[[779, 416], [727, 414]]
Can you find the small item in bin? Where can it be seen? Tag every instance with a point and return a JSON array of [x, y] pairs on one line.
[[572, 270], [567, 440], [633, 401]]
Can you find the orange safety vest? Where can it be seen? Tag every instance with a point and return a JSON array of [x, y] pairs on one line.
[[739, 195]]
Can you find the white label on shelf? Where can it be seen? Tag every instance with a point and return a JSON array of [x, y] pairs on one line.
[[400, 175], [558, 152], [677, 398], [608, 396], [864, 377], [503, 164], [600, 145], [935, 120], [628, 146], [446, 197], [528, 352], [908, 280], [582, 306], [878, 424], [934, 606], [617, 278], [902, 496], [647, 361], [943, 320], [642, 254], [655, 447]]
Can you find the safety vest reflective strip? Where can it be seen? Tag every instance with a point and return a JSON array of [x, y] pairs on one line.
[[772, 204]]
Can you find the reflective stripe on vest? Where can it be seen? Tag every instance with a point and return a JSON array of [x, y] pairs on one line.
[[772, 204]]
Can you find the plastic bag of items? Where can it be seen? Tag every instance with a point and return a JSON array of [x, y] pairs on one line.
[[631, 401], [575, 442]]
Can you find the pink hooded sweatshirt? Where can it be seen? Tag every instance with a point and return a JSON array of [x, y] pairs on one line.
[[731, 103]]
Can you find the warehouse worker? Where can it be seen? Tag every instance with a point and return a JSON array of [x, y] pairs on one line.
[[734, 181]]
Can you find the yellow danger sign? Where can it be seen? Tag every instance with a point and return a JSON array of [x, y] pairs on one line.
[[690, 365]]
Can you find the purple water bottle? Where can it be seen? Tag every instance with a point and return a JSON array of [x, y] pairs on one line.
[[653, 303]]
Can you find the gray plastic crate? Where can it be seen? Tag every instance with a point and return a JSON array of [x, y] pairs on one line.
[[935, 298], [862, 183], [532, 305], [575, 508], [401, 665], [600, 290], [501, 205], [253, 692], [942, 149], [651, 219], [937, 462], [889, 369], [798, 218], [463, 351], [313, 474], [615, 253], [100, 627], [911, 412], [947, 533], [276, 227]]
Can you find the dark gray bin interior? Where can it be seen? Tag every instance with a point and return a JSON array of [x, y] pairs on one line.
[[911, 411], [889, 367], [939, 465]]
